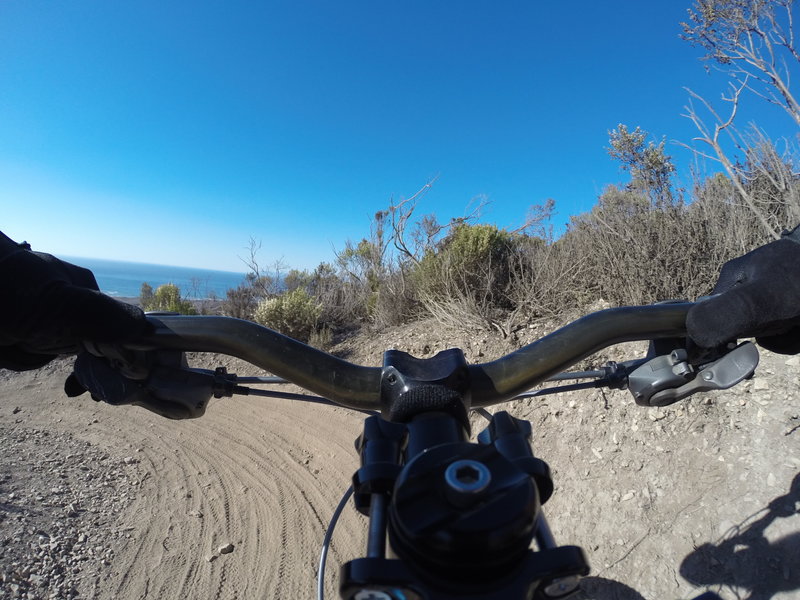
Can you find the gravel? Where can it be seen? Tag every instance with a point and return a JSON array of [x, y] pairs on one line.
[[59, 501]]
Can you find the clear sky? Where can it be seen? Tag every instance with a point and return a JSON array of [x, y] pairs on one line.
[[173, 132]]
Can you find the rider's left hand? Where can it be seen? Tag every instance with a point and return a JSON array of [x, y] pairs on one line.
[[49, 306]]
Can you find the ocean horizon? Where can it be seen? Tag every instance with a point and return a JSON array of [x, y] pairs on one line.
[[123, 279]]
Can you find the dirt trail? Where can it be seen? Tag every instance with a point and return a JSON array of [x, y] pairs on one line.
[[666, 502], [262, 475]]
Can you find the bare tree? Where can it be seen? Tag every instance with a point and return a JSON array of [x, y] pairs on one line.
[[760, 160], [711, 137], [400, 216], [413, 238], [753, 41], [265, 281], [777, 169], [537, 221]]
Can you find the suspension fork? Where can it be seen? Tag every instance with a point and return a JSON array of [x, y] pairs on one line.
[[460, 517]]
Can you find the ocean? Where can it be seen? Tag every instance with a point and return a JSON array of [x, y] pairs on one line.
[[124, 279]]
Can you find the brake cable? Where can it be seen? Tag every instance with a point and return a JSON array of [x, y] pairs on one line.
[[326, 542]]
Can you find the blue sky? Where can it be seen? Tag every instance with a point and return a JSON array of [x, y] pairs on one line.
[[173, 132]]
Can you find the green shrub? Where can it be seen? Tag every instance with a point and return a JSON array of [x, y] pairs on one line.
[[464, 254], [293, 313], [296, 279], [146, 297], [240, 302], [166, 298], [465, 279], [474, 243]]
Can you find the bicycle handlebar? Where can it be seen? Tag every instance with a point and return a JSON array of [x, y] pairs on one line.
[[345, 383], [358, 387], [504, 378], [459, 516]]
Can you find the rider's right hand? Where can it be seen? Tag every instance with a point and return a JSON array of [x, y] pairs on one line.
[[757, 295]]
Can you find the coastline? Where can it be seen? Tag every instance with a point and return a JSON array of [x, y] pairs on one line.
[[123, 280]]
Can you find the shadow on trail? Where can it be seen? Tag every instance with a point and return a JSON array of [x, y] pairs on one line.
[[599, 588], [746, 560]]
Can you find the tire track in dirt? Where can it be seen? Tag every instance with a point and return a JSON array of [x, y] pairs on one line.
[[263, 479], [265, 475], [159, 517]]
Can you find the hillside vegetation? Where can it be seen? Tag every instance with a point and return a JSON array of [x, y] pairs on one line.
[[642, 242], [645, 240]]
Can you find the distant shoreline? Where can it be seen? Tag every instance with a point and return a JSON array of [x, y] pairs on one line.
[[124, 280], [83, 260]]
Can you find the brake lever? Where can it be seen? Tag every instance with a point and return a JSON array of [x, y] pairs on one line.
[[667, 378], [160, 381]]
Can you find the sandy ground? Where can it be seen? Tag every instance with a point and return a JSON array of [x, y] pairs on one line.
[[263, 475], [667, 503]]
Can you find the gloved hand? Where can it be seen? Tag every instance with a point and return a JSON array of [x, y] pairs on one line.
[[161, 383], [757, 295], [49, 306]]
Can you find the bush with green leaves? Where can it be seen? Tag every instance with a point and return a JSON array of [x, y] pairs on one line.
[[292, 313], [146, 295], [464, 280], [296, 279], [166, 298], [240, 302], [463, 257]]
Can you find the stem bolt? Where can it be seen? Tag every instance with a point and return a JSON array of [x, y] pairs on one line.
[[467, 476]]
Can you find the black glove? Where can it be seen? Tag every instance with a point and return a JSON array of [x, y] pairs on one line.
[[160, 382], [49, 306], [757, 295]]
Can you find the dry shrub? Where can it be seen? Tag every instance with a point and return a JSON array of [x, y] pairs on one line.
[[464, 282], [545, 279], [293, 313]]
